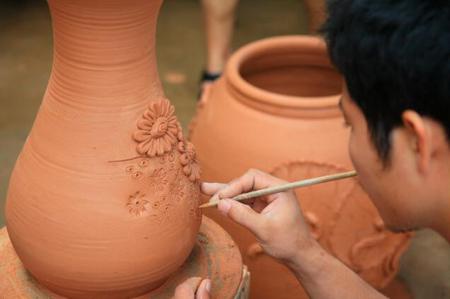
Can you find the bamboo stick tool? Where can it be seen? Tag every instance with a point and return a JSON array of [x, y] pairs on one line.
[[276, 189]]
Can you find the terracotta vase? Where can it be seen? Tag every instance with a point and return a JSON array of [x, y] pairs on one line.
[[276, 109], [103, 200]]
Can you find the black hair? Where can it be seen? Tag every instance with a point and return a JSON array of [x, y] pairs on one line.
[[394, 55]]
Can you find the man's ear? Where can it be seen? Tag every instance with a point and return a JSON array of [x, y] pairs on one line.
[[419, 138]]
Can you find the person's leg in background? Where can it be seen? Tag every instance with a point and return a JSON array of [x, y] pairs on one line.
[[219, 18], [316, 14]]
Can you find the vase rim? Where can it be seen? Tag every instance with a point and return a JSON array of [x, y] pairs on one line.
[[259, 98]]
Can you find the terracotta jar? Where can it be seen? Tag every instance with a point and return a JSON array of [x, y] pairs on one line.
[[103, 200], [276, 109]]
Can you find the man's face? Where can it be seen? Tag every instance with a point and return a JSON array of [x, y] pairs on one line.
[[387, 186]]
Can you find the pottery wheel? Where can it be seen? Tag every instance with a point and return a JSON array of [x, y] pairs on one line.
[[215, 255]]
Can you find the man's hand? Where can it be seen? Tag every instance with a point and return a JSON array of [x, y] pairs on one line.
[[279, 226], [276, 220], [193, 288]]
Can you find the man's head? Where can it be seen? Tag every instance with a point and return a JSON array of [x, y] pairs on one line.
[[395, 58]]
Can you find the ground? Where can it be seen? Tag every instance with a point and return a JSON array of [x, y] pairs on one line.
[[25, 61]]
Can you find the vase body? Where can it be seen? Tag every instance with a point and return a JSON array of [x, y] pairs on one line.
[[276, 109], [103, 199]]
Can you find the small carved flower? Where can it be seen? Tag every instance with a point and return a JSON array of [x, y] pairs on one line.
[[133, 171], [143, 163], [188, 160], [136, 203], [137, 174], [157, 130], [130, 169]]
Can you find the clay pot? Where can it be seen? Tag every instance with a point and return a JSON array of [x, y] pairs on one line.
[[276, 109], [103, 200]]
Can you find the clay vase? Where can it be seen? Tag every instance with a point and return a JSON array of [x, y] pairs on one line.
[[103, 200], [276, 109]]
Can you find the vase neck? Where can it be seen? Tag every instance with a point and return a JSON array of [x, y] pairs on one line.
[[104, 53]]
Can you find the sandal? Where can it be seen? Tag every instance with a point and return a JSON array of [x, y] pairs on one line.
[[206, 79]]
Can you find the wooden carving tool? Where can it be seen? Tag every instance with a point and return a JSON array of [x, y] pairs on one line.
[[276, 189]]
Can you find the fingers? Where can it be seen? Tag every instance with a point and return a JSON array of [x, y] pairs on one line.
[[243, 214], [259, 205], [187, 289], [251, 180], [204, 289], [211, 188]]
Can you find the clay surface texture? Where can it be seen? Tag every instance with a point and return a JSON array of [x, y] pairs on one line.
[[103, 200]]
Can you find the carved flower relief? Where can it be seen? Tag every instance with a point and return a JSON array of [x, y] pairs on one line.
[[370, 252], [180, 135], [188, 160], [136, 203], [158, 129]]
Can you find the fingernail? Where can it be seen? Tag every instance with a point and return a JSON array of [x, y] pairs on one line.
[[224, 206], [194, 282], [208, 285]]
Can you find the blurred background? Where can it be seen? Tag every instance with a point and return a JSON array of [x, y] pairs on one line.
[[25, 62]]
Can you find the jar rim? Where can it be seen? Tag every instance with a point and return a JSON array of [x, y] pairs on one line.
[[261, 98]]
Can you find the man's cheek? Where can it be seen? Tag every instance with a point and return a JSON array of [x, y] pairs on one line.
[[352, 151], [357, 158]]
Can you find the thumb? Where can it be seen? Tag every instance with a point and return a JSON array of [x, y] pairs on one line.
[[204, 289], [187, 289], [242, 214]]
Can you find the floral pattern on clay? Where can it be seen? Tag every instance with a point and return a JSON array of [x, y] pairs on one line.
[[134, 172], [136, 203], [143, 163], [188, 160], [158, 129], [180, 135]]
